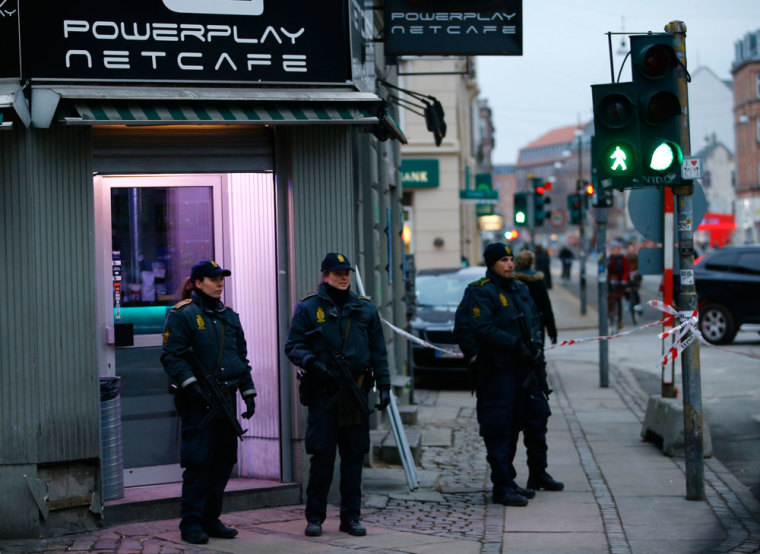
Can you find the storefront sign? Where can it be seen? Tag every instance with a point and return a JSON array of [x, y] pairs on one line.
[[186, 40], [475, 27], [9, 62], [419, 173]]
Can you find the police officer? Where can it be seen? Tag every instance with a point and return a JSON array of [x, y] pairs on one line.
[[488, 330], [536, 409], [201, 331], [335, 323]]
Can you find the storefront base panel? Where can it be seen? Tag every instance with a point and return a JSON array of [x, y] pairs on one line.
[[49, 499], [159, 502]]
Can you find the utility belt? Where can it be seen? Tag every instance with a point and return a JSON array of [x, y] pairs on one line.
[[309, 383]]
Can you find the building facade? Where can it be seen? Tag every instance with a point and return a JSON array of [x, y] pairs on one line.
[[746, 74], [443, 230], [132, 151]]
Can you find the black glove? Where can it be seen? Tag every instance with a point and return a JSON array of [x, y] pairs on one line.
[[383, 399], [523, 352], [195, 393], [318, 368], [250, 406], [553, 338]]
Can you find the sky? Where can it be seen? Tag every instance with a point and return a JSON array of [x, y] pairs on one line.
[[565, 51]]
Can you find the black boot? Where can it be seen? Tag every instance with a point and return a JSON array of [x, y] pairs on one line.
[[313, 529], [220, 530], [545, 482], [527, 493], [194, 535], [353, 528], [509, 498]]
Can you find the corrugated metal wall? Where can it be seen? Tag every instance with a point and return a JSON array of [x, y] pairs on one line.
[[252, 257], [323, 200], [49, 401]]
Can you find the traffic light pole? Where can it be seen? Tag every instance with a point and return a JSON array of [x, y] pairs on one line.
[[687, 297], [601, 287]]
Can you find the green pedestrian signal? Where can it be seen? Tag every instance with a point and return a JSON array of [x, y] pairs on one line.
[[520, 204], [615, 133]]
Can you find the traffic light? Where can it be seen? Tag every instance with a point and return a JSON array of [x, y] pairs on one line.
[[654, 64], [520, 203], [574, 208], [616, 132], [540, 200]]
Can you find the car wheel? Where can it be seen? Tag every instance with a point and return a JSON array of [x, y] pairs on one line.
[[716, 324]]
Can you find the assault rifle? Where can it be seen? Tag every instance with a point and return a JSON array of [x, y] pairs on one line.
[[218, 400], [537, 362], [344, 377]]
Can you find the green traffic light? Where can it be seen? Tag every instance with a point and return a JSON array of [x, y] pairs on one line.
[[662, 157], [618, 159], [520, 217]]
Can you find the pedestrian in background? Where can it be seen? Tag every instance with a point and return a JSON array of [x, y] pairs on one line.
[[526, 273], [493, 318], [566, 256], [543, 264], [330, 323], [634, 300], [618, 282], [202, 327]]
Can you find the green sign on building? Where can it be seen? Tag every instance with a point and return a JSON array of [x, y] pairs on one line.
[[419, 173]]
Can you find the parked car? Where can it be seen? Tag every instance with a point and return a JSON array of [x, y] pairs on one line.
[[438, 293], [728, 291]]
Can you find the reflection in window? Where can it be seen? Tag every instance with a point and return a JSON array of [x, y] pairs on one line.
[[158, 233]]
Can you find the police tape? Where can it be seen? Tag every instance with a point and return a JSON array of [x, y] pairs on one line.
[[418, 340], [689, 332]]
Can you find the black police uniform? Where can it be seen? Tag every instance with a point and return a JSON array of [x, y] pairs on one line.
[[213, 333], [487, 325], [350, 325]]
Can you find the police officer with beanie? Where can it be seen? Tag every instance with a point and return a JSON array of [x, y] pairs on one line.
[[202, 333], [335, 323], [488, 330]]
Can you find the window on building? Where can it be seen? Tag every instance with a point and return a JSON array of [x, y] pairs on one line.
[[757, 124], [757, 85]]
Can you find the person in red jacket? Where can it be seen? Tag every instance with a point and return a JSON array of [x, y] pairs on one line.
[[618, 282]]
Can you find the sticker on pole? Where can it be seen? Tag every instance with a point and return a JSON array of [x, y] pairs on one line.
[[691, 167], [687, 276]]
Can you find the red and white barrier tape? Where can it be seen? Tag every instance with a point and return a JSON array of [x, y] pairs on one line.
[[418, 340], [688, 333]]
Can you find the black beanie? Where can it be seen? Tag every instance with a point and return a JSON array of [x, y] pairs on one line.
[[494, 252]]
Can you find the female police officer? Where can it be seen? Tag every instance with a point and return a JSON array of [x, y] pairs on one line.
[[335, 327], [202, 334]]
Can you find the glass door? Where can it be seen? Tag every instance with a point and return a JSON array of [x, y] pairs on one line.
[[160, 225]]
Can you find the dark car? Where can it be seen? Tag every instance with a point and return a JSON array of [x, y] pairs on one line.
[[438, 293], [728, 290]]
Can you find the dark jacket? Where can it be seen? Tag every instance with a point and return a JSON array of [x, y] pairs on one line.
[[212, 331], [364, 346], [534, 280], [487, 321]]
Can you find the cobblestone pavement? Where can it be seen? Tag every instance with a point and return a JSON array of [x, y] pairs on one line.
[[463, 483]]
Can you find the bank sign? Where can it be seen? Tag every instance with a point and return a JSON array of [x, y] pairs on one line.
[[453, 27], [419, 173], [186, 40]]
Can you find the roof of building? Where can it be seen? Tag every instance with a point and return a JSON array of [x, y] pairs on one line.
[[560, 135]]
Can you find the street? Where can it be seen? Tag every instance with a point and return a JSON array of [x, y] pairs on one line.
[[730, 380]]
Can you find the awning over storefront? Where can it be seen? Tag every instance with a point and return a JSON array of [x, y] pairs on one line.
[[95, 112], [13, 105], [164, 105]]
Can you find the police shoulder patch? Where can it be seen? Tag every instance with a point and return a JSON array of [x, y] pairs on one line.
[[182, 303], [480, 282], [308, 296], [367, 298]]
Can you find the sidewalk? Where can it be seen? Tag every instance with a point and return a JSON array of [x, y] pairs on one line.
[[621, 494]]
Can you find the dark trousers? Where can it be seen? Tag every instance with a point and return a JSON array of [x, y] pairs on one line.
[[536, 412], [323, 435], [499, 424], [207, 456]]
